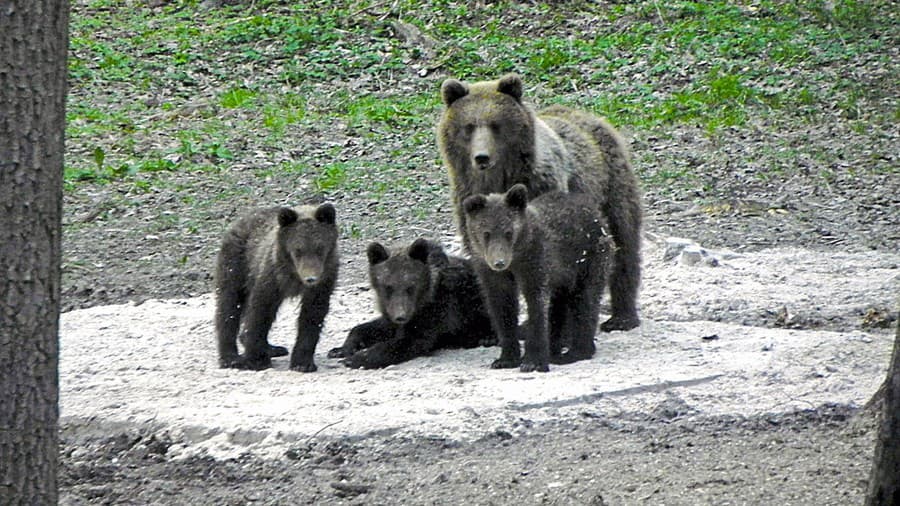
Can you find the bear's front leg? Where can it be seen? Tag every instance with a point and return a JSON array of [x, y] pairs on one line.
[[537, 343], [313, 309], [364, 335], [502, 299], [407, 345]]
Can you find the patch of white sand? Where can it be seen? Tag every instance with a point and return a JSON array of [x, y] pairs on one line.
[[154, 364]]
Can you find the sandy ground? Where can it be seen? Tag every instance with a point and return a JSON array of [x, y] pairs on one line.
[[715, 340]]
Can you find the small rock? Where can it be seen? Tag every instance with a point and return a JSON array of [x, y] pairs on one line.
[[674, 246]]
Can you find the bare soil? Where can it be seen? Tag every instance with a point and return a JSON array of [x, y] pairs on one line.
[[816, 261]]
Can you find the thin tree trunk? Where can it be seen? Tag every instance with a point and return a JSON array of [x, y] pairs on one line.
[[33, 47], [884, 480]]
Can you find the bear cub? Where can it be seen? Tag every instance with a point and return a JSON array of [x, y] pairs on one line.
[[427, 300], [555, 250], [267, 256]]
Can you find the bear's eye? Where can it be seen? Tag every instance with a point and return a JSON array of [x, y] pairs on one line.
[[389, 290], [508, 235], [487, 236], [495, 126], [410, 291], [298, 253], [469, 128]]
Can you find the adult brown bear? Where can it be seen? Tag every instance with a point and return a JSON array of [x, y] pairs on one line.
[[490, 140]]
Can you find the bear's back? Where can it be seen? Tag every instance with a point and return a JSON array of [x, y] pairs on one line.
[[572, 228]]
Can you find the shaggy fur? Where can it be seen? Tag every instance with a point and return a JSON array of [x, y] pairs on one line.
[[427, 300], [490, 140], [267, 256], [555, 251]]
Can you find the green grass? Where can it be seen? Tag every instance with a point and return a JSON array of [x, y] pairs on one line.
[[267, 72]]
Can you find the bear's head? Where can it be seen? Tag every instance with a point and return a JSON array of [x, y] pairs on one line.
[[495, 224], [402, 280], [486, 126], [307, 236]]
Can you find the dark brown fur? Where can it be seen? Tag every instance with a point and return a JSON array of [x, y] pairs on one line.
[[490, 141], [267, 256], [555, 251], [428, 301]]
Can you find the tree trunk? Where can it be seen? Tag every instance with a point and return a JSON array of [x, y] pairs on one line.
[[33, 47], [884, 480]]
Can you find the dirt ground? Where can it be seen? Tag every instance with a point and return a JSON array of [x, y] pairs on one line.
[[744, 385]]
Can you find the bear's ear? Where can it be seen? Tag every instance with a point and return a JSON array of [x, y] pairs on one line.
[[517, 196], [419, 250], [474, 203], [286, 216], [377, 253], [325, 213], [437, 258], [453, 90], [511, 84]]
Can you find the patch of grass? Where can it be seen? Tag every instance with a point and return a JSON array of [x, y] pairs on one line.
[[269, 70], [236, 97], [331, 177], [389, 111], [283, 111]]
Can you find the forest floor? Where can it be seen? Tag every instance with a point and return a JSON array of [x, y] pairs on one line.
[[744, 385]]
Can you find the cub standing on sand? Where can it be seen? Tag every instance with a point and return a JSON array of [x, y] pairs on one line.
[[427, 300], [554, 249], [490, 140], [267, 256]]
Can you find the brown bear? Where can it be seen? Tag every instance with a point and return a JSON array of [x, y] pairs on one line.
[[555, 250], [427, 300], [267, 256], [490, 140]]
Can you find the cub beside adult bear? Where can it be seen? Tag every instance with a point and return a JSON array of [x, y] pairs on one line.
[[490, 140], [555, 250], [267, 256], [428, 300]]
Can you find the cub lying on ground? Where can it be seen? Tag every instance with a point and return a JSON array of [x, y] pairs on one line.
[[427, 299]]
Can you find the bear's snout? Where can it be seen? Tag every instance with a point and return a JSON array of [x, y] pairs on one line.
[[482, 160], [309, 274], [398, 315], [497, 263]]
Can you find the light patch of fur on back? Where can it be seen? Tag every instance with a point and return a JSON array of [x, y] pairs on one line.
[[552, 159]]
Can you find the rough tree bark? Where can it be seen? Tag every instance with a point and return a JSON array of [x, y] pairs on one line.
[[884, 480], [33, 47]]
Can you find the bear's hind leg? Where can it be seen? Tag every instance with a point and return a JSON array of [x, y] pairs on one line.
[[230, 276], [624, 217], [229, 305], [259, 314], [556, 326], [580, 322], [228, 322]]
